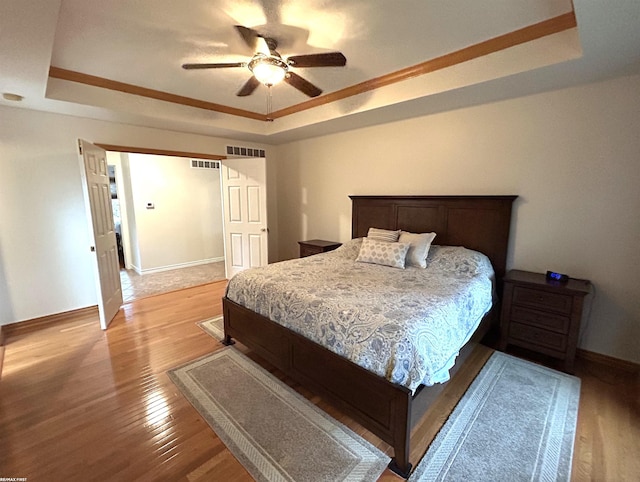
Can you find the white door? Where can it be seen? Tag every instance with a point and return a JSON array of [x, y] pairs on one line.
[[95, 183], [244, 198]]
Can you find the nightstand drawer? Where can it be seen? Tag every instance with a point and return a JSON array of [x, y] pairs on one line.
[[541, 319], [542, 299], [536, 336]]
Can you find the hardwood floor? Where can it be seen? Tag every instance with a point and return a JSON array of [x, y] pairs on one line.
[[77, 403]]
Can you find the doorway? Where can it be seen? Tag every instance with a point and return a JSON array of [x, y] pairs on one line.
[[156, 198]]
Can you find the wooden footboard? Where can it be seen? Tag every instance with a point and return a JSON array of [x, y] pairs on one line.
[[380, 406]]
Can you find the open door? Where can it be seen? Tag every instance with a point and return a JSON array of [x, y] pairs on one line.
[[244, 199], [95, 185]]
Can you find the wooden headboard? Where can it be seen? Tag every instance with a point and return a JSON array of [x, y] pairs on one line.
[[481, 223]]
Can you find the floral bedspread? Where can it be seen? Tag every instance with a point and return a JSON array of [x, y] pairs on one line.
[[406, 325]]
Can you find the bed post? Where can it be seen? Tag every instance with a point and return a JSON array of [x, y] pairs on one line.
[[227, 340], [401, 428]]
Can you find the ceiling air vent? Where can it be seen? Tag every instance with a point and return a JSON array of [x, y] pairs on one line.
[[201, 164], [245, 151]]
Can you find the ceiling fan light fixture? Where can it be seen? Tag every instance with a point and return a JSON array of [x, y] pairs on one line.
[[268, 70]]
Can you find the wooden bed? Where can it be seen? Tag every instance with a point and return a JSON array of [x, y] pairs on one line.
[[388, 410]]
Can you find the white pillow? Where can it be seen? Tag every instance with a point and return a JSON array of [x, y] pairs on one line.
[[419, 249], [383, 235], [383, 253]]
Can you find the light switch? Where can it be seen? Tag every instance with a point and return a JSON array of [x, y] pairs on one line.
[[150, 206]]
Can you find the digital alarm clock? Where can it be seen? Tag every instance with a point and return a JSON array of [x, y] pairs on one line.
[[553, 276]]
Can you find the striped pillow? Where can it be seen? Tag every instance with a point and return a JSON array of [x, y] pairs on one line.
[[383, 235]]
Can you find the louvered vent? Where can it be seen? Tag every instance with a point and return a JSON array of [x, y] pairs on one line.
[[245, 151], [201, 164]]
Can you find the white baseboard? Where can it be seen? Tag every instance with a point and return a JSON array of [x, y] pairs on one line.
[[177, 266]]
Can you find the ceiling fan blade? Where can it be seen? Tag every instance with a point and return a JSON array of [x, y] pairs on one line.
[[248, 87], [255, 41], [302, 85], [213, 66], [330, 59], [249, 36]]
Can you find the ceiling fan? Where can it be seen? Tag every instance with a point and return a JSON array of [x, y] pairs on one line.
[[269, 68]]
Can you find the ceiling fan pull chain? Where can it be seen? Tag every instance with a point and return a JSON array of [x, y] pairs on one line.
[[269, 104]]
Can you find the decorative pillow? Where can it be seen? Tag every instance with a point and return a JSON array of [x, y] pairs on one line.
[[383, 252], [420, 244], [383, 235]]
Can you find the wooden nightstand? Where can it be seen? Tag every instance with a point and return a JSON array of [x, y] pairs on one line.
[[542, 316], [315, 246]]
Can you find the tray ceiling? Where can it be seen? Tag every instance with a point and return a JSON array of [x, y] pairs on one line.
[[122, 60]]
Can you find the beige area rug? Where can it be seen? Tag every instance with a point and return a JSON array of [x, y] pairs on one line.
[[272, 430], [516, 422], [213, 327]]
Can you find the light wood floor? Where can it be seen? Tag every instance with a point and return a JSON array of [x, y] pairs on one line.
[[77, 403]]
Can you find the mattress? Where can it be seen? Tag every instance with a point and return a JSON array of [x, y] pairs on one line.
[[406, 325]]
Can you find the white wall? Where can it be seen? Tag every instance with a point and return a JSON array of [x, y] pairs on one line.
[[185, 226], [571, 156], [45, 260]]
